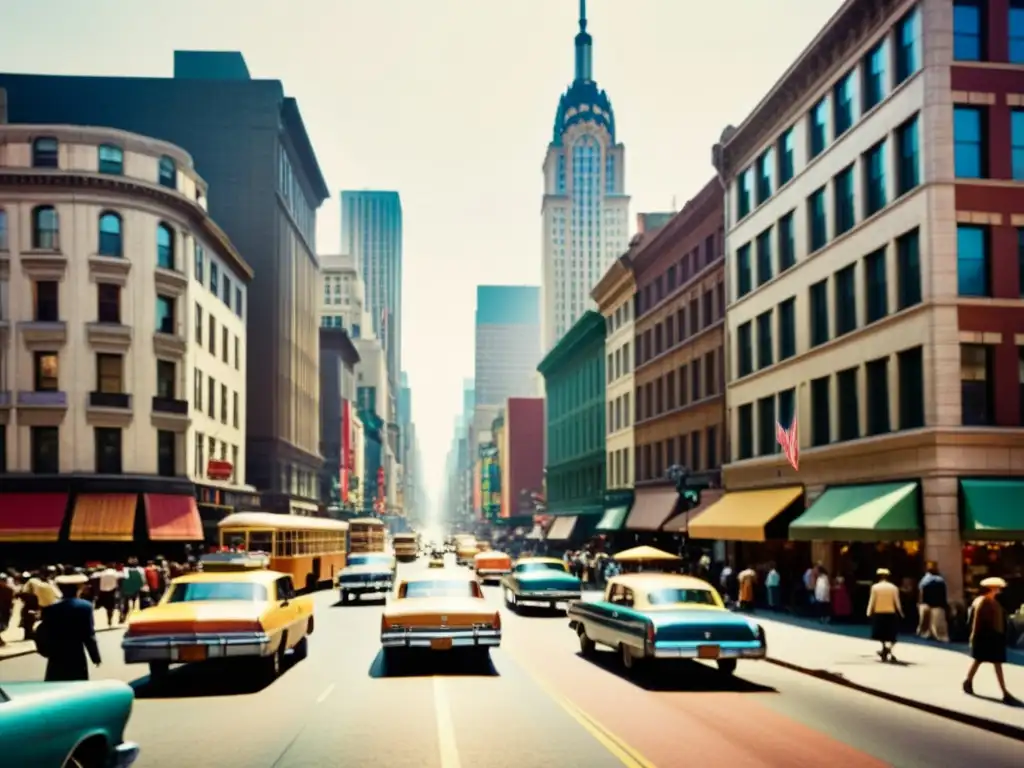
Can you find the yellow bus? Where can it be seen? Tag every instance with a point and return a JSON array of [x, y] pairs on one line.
[[406, 545], [311, 549], [367, 534]]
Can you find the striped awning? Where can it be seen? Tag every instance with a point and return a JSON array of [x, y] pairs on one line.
[[103, 517]]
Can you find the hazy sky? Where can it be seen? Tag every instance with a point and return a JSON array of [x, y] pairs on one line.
[[451, 102]]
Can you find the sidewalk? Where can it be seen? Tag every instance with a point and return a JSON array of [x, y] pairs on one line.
[[928, 675], [14, 634]]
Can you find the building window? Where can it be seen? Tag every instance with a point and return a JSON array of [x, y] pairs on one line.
[[107, 446], [46, 372], [200, 259], [166, 450], [817, 128], [234, 410], [223, 404], [46, 301], [764, 256], [224, 343], [197, 390], [849, 410], [3, 238], [695, 451], [211, 397], [712, 447], [844, 201], [745, 353], [785, 155], [846, 300], [108, 299], [199, 324], [819, 312], [764, 339], [743, 194], [165, 315], [976, 401], [111, 159], [969, 161], [873, 77], [968, 31], [787, 329], [164, 246], [766, 426], [710, 374], [110, 374], [821, 412], [908, 270], [787, 242], [166, 380], [238, 355], [878, 395], [875, 286], [908, 174], [745, 427], [110, 235], [45, 152], [45, 450], [238, 301], [214, 277], [695, 379], [787, 407], [764, 176], [972, 261], [45, 228], [817, 220], [1016, 34], [907, 53], [1020, 393], [225, 292], [1017, 144], [167, 174], [842, 105], [743, 277], [874, 179], [911, 395]]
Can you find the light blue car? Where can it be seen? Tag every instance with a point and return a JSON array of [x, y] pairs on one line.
[[540, 580]]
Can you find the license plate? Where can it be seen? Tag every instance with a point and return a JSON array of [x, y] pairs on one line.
[[191, 653], [708, 652], [441, 644]]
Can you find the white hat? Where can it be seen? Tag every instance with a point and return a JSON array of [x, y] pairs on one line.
[[993, 582], [883, 572]]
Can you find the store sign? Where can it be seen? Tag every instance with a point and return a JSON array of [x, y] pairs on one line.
[[218, 469]]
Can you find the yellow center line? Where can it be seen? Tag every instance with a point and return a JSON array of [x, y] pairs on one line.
[[446, 745]]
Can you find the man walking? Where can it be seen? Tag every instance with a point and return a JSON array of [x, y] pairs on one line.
[[932, 606], [67, 632]]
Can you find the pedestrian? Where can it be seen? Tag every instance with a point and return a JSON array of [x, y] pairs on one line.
[[773, 587], [106, 592], [67, 633], [932, 606], [823, 596], [746, 581], [809, 580], [842, 606], [988, 636], [132, 582], [6, 604], [725, 580], [885, 612]]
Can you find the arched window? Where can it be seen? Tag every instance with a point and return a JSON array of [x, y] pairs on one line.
[[168, 172], [110, 235], [45, 228], [44, 152], [164, 246], [111, 159]]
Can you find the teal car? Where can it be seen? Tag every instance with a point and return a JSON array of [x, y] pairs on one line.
[[540, 580], [67, 725]]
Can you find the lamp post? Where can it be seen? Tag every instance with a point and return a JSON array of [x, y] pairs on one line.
[[689, 498]]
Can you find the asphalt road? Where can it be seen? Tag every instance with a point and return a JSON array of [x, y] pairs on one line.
[[538, 704]]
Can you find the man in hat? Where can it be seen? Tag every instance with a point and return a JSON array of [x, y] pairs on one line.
[[67, 632], [885, 612]]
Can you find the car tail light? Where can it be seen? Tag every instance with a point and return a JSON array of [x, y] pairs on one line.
[[383, 624], [497, 620], [650, 633]]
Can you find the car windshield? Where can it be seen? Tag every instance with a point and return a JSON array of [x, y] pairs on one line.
[[674, 596], [198, 591], [460, 588], [382, 560], [535, 567]]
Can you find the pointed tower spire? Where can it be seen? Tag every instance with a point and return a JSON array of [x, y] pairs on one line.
[[583, 48]]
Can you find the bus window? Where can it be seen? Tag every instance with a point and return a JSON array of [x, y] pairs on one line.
[[233, 540], [260, 541], [285, 543]]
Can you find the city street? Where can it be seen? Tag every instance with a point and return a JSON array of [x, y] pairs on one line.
[[541, 704]]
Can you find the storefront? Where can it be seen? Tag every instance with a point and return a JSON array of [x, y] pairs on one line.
[[568, 531], [651, 509], [992, 530], [216, 503], [679, 524]]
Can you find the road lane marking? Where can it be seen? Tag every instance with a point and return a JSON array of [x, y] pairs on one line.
[[626, 754], [323, 696], [445, 728]]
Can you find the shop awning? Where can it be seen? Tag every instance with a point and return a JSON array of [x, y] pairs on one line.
[[653, 506], [993, 510], [747, 515], [32, 516], [613, 518], [562, 528], [537, 534], [680, 522], [103, 517], [877, 512], [173, 518]]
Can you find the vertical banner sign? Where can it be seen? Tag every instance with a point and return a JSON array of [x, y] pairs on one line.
[[346, 448], [381, 498]]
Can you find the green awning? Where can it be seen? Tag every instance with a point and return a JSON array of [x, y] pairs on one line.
[[613, 518], [880, 512], [993, 510]]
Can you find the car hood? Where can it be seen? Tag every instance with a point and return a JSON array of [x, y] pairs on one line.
[[41, 693], [199, 610]]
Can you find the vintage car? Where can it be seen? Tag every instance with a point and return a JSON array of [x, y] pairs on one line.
[[77, 724], [646, 616], [439, 613], [252, 615], [540, 580], [437, 561], [465, 550], [368, 573], [491, 565]]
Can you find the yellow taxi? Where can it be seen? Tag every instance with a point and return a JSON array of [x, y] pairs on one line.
[[234, 613]]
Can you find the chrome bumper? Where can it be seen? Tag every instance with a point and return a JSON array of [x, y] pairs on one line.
[[461, 638], [492, 573], [549, 596], [366, 587], [168, 647], [125, 753], [733, 650]]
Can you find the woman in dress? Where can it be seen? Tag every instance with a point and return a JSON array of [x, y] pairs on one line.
[[988, 636], [885, 612]]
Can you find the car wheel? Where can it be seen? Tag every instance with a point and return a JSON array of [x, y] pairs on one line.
[[727, 666], [628, 660], [158, 670], [587, 646], [275, 662], [301, 650]]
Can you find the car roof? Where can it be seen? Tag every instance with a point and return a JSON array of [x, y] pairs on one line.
[[640, 582], [522, 560], [256, 576]]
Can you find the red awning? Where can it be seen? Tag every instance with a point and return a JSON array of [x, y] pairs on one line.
[[32, 516], [173, 518]]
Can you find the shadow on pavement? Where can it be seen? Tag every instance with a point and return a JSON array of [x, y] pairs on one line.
[[211, 678], [358, 602], [682, 676], [434, 664], [537, 611]]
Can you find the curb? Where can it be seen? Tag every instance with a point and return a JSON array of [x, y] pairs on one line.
[[30, 651], [992, 726]]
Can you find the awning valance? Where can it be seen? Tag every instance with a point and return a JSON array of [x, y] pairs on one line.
[[562, 528], [613, 518], [103, 517], [993, 510], [653, 506], [748, 515], [173, 518], [32, 516], [680, 522], [875, 512]]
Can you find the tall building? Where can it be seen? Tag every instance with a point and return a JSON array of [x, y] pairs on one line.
[[371, 231], [248, 137], [343, 296], [585, 211], [507, 342]]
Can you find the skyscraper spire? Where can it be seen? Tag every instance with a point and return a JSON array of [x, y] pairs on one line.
[[583, 48]]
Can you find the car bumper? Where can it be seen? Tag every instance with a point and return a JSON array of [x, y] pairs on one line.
[[547, 596], [366, 587], [125, 753], [431, 639], [492, 573], [182, 648], [691, 650]]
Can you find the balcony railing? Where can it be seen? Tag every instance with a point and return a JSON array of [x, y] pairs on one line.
[[170, 405], [46, 399], [110, 400]]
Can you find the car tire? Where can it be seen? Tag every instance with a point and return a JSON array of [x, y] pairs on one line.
[[627, 658], [727, 666], [512, 601], [301, 650], [587, 646], [158, 671], [274, 663]]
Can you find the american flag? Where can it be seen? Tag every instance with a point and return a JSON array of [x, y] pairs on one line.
[[789, 439]]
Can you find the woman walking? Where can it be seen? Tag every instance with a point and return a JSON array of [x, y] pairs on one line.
[[823, 596], [885, 612], [988, 636]]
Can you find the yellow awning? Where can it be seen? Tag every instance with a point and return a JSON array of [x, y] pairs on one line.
[[103, 517], [746, 515]]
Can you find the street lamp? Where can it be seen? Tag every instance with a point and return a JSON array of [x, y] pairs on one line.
[[689, 499]]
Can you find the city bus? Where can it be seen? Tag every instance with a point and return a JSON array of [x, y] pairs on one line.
[[311, 549], [406, 545], [366, 534]]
